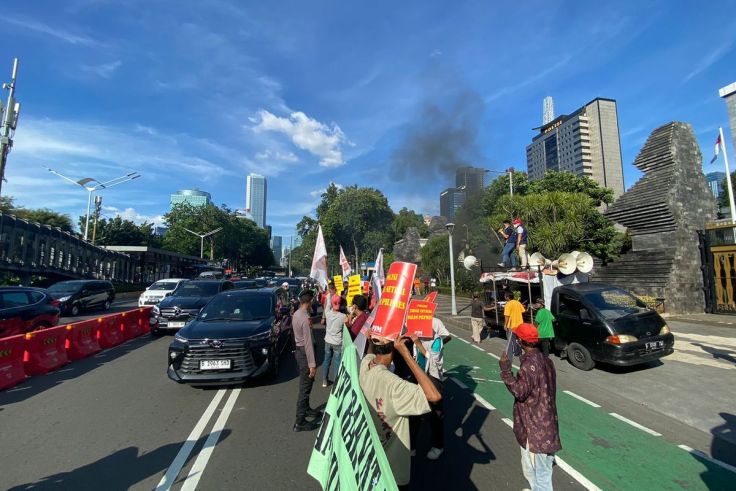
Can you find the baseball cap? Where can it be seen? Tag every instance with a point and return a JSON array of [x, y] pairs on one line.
[[336, 299], [527, 332], [517, 221], [285, 283]]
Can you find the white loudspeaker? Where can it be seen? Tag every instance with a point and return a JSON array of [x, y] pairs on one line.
[[565, 264], [469, 262], [575, 253], [537, 259], [584, 262]]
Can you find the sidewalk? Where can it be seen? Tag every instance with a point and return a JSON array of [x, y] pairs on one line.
[[714, 320]]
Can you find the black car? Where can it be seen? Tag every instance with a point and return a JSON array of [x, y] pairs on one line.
[[245, 284], [236, 337], [75, 296], [184, 303], [24, 309]]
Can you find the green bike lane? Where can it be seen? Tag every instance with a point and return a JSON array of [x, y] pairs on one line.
[[611, 454]]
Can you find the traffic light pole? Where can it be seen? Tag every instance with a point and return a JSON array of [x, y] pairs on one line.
[[9, 120]]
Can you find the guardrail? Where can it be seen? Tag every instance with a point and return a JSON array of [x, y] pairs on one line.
[[42, 351]]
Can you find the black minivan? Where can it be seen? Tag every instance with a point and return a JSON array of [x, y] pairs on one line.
[[75, 296], [597, 322]]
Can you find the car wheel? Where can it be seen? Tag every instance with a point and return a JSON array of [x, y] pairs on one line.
[[107, 305], [74, 310], [579, 357]]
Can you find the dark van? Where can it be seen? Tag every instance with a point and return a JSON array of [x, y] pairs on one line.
[[596, 322], [77, 295]]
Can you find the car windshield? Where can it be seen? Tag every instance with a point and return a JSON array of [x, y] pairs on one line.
[[192, 289], [65, 287], [163, 285], [234, 307], [615, 303]]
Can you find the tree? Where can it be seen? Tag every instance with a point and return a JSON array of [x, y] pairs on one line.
[[45, 216], [570, 183], [406, 218], [436, 257]]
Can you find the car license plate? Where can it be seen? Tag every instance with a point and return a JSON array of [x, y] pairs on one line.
[[214, 364], [654, 345], [176, 323]]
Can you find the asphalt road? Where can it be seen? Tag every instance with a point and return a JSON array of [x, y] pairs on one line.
[[115, 421]]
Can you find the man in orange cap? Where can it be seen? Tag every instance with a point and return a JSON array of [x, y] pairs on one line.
[[535, 410]]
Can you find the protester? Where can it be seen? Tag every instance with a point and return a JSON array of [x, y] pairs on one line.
[[507, 257], [358, 315], [333, 337], [306, 363], [476, 318], [433, 283], [326, 301], [513, 312], [426, 285], [535, 410], [417, 286], [393, 400], [429, 358], [283, 297], [544, 320], [521, 241]]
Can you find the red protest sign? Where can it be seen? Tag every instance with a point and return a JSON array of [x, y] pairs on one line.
[[391, 310], [419, 319], [431, 297]]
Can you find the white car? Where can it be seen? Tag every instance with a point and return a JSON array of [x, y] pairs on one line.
[[158, 291]]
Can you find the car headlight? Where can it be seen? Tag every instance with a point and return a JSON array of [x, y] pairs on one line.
[[665, 330], [180, 338], [64, 299], [156, 310]]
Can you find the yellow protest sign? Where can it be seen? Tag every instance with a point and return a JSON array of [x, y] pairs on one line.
[[338, 284], [353, 288]]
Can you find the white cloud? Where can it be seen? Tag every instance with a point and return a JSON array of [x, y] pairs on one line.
[[308, 134], [132, 215], [40, 27], [317, 193], [105, 70], [282, 156], [712, 57]]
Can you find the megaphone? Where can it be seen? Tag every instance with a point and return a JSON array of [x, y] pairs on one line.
[[469, 262], [584, 262], [566, 264], [537, 259], [575, 253]]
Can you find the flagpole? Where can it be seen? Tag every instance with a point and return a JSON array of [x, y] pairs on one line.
[[728, 177]]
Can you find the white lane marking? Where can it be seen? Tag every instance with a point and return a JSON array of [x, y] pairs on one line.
[[635, 424], [581, 398], [477, 347], [491, 354], [484, 403], [195, 473], [459, 383], [584, 482], [463, 340], [508, 422], [168, 480], [707, 457]]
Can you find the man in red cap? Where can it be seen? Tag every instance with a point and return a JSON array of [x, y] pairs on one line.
[[535, 410], [521, 241]]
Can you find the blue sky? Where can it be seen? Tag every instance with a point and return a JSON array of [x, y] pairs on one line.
[[198, 94]]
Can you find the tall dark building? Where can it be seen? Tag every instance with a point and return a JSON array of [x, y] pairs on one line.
[[451, 199], [471, 179]]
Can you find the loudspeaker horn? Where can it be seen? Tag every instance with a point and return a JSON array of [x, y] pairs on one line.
[[537, 259], [565, 264], [469, 262], [584, 262], [575, 253]]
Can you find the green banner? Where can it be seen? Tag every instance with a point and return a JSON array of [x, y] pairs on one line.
[[348, 454]]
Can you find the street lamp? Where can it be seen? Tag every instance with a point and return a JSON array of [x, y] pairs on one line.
[[510, 172], [450, 227], [202, 236], [85, 183]]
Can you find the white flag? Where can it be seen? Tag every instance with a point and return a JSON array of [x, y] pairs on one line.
[[346, 269], [717, 149], [319, 261], [379, 277]]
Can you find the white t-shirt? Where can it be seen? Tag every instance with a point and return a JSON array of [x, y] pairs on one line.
[[335, 320], [392, 400], [435, 361]]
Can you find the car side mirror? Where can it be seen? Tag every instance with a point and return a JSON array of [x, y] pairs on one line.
[[585, 315]]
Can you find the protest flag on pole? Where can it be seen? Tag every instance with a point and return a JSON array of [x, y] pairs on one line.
[[346, 269], [319, 261]]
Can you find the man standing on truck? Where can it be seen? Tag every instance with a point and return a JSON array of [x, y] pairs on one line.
[[521, 241], [536, 426], [507, 257]]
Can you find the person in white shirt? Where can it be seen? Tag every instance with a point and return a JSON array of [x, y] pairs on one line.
[[335, 320]]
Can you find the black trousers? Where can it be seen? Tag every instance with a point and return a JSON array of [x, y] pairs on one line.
[[305, 385], [436, 418], [545, 345]]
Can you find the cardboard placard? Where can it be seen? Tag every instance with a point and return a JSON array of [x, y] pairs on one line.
[[353, 288], [431, 298], [391, 310], [419, 319], [337, 279]]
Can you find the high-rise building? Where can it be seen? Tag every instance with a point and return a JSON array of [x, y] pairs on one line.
[[255, 199], [729, 94], [451, 199], [277, 247], [470, 179], [548, 110], [193, 197], [585, 143], [715, 182]]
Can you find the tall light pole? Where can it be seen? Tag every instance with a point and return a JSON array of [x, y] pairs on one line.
[[450, 227], [8, 121], [202, 236], [86, 184], [291, 248]]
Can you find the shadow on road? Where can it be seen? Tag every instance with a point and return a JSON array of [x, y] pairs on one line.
[[35, 385], [718, 354], [117, 471]]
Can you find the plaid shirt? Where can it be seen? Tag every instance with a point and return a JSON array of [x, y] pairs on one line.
[[535, 409]]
